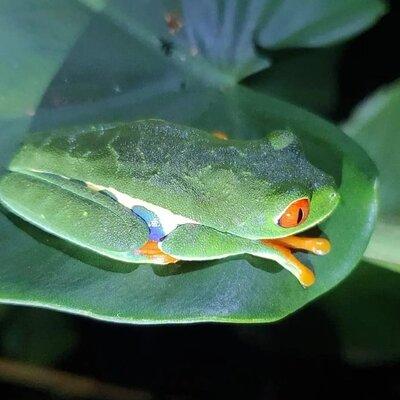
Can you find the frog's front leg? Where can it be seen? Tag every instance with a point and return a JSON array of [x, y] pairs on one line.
[[193, 242], [198, 242]]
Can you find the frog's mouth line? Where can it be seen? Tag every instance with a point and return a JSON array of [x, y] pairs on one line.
[[284, 247]]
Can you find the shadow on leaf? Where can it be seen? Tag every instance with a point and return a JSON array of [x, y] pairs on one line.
[[80, 253]]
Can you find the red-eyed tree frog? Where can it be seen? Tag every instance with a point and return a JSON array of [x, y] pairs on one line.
[[151, 191]]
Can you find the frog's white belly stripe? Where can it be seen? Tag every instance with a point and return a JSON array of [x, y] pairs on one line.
[[168, 220]]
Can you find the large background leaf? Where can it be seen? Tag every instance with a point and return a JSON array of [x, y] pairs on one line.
[[375, 124], [316, 23], [306, 77], [155, 73], [32, 51], [365, 312]]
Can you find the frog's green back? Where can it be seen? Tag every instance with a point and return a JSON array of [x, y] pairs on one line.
[[232, 185]]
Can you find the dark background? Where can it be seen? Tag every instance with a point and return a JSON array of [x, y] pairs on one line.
[[299, 356]]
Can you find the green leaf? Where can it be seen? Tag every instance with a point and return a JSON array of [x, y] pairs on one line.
[[365, 311], [375, 125], [147, 79], [307, 78], [310, 23], [35, 36], [61, 276], [219, 36]]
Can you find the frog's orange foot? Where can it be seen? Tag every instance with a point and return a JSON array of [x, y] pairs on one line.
[[319, 246], [284, 246], [220, 135], [151, 250]]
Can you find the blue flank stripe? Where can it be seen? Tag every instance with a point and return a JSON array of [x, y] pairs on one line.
[[152, 221]]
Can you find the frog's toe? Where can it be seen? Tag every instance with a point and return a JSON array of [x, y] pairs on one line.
[[319, 246], [151, 250], [284, 257], [283, 254], [220, 135]]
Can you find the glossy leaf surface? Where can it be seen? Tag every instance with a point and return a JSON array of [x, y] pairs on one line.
[[375, 125], [149, 77]]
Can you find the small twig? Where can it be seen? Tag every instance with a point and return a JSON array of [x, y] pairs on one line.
[[65, 383]]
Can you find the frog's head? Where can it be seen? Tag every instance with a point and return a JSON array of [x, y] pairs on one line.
[[299, 195], [301, 207]]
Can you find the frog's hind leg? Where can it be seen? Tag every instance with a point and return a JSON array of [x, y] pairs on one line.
[[150, 251], [68, 209]]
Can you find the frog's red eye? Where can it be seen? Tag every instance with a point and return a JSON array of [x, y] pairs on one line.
[[295, 213]]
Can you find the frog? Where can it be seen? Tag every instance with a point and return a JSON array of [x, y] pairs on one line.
[[157, 192]]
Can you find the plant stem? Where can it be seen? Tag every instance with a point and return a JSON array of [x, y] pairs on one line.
[[64, 383]]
